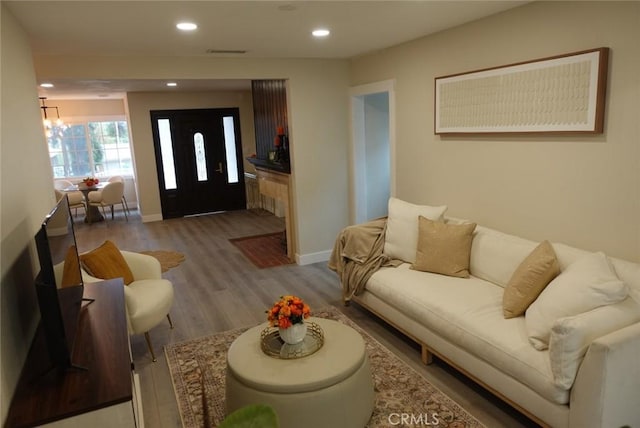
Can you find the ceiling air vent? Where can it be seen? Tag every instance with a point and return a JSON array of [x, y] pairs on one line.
[[225, 51]]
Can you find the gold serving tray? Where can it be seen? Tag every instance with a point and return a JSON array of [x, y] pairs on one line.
[[275, 347]]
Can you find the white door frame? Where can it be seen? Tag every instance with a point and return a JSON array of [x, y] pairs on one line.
[[357, 200]]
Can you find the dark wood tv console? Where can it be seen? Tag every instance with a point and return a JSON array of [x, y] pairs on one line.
[[104, 392]]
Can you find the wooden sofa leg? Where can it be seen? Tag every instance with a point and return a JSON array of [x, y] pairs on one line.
[[427, 356], [153, 355]]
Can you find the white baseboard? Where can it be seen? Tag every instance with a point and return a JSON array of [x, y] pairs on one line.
[[307, 259], [152, 217]]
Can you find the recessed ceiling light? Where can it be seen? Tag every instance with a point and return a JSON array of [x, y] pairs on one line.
[[172, 84], [46, 85], [321, 32], [186, 26]]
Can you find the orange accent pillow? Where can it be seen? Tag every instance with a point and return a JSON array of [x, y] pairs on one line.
[[107, 262], [71, 270]]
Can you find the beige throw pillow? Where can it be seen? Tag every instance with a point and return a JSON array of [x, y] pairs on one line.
[[571, 336], [585, 284], [529, 279], [444, 248]]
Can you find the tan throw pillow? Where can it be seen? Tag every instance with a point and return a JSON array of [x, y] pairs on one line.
[[107, 262], [71, 270], [529, 279], [444, 248]]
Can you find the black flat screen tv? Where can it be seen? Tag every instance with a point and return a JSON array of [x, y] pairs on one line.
[[59, 286]]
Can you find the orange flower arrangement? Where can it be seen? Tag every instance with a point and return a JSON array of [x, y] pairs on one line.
[[287, 311], [90, 181]]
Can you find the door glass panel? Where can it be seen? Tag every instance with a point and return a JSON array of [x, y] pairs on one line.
[[230, 149], [201, 158], [166, 150]]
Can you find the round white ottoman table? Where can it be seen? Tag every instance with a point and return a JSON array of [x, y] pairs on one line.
[[332, 387]]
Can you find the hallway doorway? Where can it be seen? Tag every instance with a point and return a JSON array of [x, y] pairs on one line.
[[372, 150]]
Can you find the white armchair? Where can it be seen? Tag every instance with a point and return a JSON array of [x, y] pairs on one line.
[[148, 298]]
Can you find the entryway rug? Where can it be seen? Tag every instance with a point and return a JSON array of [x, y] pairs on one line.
[[197, 368], [167, 259], [264, 251]]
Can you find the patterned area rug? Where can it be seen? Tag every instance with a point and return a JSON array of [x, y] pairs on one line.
[[168, 259], [197, 369], [264, 251]]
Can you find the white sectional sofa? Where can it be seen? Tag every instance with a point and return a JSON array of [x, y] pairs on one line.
[[589, 376]]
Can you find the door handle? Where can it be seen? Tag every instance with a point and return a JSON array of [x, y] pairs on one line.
[[219, 167]]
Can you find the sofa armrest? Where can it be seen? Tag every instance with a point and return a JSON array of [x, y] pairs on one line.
[[143, 266], [605, 392]]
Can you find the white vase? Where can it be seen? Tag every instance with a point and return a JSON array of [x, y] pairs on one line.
[[294, 334]]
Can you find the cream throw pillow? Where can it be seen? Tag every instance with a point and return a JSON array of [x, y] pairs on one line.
[[529, 279], [444, 248], [571, 336], [401, 237], [584, 285]]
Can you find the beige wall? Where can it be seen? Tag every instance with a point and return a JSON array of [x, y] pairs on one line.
[[318, 127], [139, 106], [584, 191], [26, 197], [87, 108]]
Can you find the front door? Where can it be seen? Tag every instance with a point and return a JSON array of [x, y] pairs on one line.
[[199, 161]]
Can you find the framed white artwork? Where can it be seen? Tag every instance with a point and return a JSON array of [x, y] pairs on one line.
[[563, 94]]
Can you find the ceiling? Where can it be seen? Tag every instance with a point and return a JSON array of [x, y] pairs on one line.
[[263, 29]]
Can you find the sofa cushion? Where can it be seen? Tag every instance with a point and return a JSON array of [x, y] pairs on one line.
[[571, 336], [443, 248], [401, 237], [468, 312], [106, 262], [628, 272], [585, 284], [496, 255], [529, 279]]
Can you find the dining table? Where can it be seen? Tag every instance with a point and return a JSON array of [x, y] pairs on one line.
[[93, 214]]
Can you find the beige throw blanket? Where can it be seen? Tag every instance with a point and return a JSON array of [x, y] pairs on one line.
[[357, 254]]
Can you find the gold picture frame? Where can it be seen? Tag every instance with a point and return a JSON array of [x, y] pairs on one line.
[[563, 94]]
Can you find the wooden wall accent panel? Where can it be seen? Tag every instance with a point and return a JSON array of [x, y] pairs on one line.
[[269, 112]]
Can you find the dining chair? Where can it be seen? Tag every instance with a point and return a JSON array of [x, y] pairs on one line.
[[110, 195], [124, 199], [76, 198]]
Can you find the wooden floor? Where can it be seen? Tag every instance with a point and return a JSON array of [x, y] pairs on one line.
[[217, 289]]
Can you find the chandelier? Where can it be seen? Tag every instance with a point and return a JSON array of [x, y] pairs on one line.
[[48, 124]]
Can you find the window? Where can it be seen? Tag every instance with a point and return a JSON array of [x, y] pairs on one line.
[[230, 149], [166, 148], [99, 148], [201, 159]]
